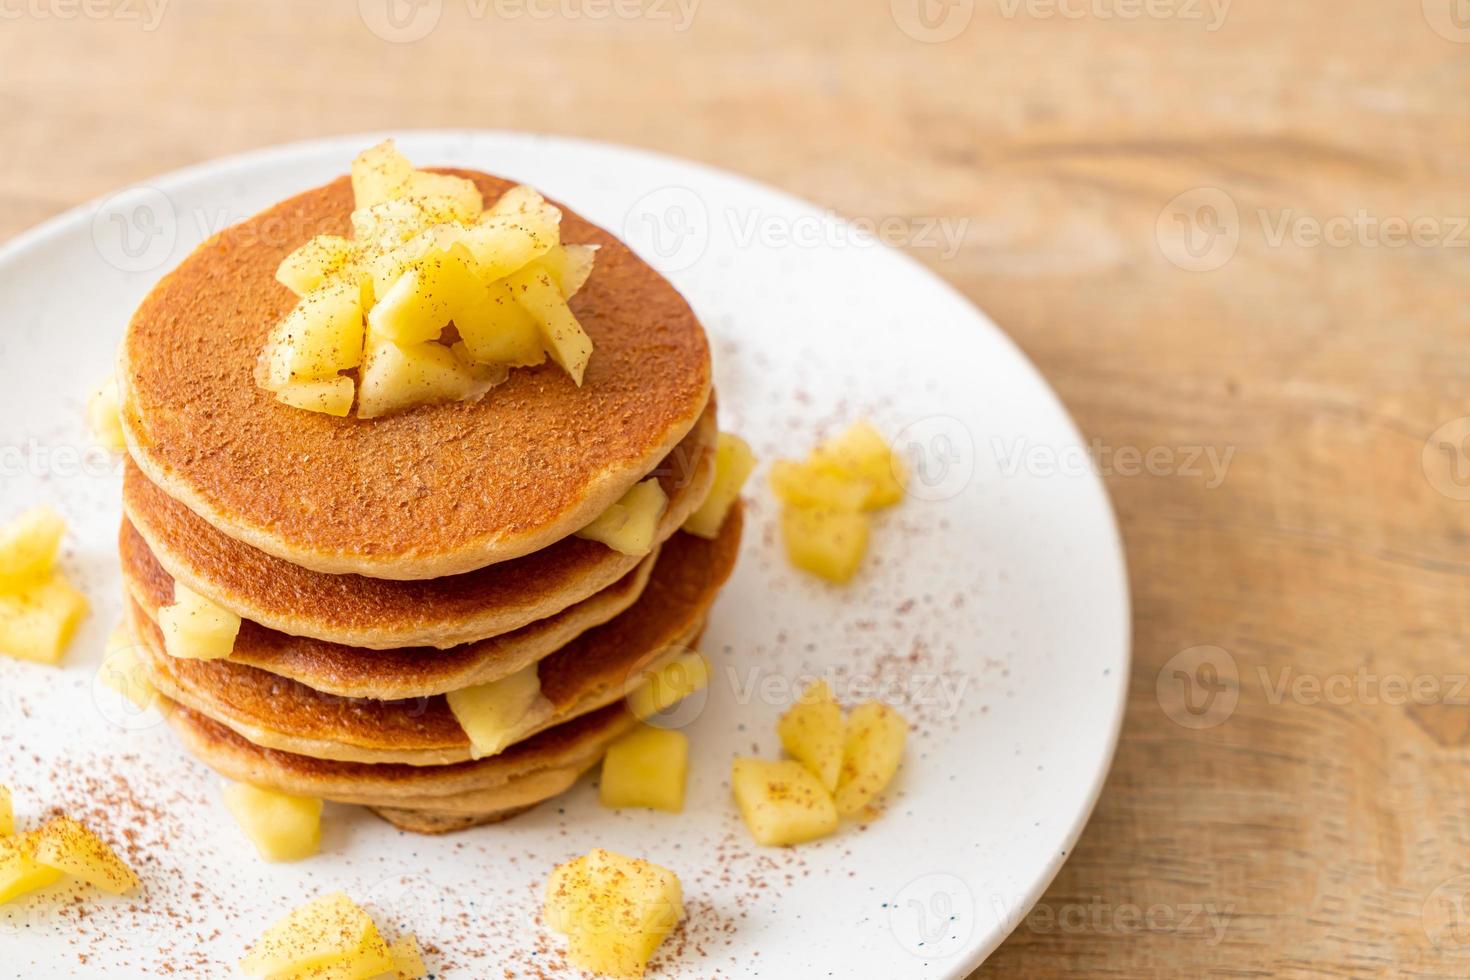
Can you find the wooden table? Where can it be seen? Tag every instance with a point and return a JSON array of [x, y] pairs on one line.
[[1301, 313]]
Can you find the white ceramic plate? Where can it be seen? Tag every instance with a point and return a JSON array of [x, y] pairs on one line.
[[993, 608]]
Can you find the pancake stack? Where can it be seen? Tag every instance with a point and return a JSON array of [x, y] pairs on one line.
[[379, 565]]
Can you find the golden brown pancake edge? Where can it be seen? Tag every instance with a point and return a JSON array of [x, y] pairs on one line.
[[369, 612], [597, 668]]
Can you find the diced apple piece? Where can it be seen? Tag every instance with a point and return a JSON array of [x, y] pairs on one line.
[[195, 628], [493, 714], [871, 755], [420, 304], [332, 396], [861, 454], [806, 484], [28, 548], [282, 827], [64, 844], [124, 671], [646, 768], [330, 931], [390, 223], [37, 622], [614, 911], [629, 525], [517, 200], [20, 872], [782, 802], [813, 733], [565, 339], [309, 266], [829, 543], [395, 378], [408, 958], [496, 330], [7, 813], [104, 417], [668, 685], [733, 463], [463, 197], [321, 336], [502, 244], [570, 266], [384, 266], [378, 174]]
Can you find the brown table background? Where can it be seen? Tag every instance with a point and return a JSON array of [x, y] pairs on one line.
[[1324, 823]]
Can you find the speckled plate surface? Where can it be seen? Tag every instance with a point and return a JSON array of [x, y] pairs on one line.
[[992, 608]]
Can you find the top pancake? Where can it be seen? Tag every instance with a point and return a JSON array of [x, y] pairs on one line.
[[434, 491]]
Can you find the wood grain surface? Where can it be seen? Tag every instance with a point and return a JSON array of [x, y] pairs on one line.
[[1271, 366]]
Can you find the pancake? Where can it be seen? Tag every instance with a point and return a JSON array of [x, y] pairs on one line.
[[434, 491], [596, 669], [420, 732], [357, 610], [404, 672], [432, 822], [472, 792]]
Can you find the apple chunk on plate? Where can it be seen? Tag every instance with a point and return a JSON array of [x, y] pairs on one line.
[[332, 931], [782, 802], [28, 548]]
